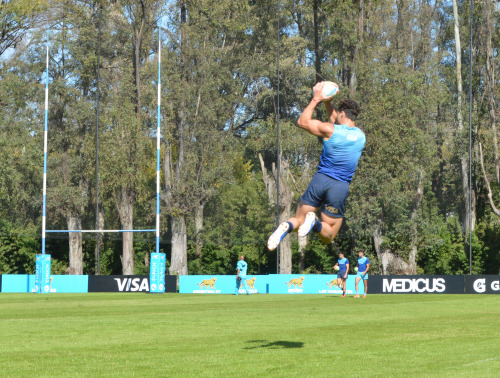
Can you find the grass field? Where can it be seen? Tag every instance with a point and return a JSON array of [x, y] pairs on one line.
[[257, 335]]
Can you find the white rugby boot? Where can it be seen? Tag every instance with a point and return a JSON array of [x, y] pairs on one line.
[[277, 236], [308, 224]]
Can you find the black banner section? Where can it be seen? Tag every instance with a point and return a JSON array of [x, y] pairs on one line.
[[416, 284], [482, 284], [127, 284], [0, 283]]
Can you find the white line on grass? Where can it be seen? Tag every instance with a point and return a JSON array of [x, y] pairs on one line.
[[481, 361]]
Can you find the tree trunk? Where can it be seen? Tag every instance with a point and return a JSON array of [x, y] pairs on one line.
[[178, 258], [198, 228], [353, 81], [317, 57], [377, 242], [467, 223], [285, 247], [302, 252], [490, 83], [126, 213], [412, 260], [75, 246], [100, 226], [285, 201]]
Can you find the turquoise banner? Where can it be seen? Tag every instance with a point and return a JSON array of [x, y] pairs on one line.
[[25, 283], [42, 274], [157, 273], [310, 284], [206, 284]]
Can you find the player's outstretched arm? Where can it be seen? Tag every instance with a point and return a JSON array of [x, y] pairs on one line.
[[314, 126]]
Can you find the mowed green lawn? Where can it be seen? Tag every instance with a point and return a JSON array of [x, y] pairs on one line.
[[258, 335]]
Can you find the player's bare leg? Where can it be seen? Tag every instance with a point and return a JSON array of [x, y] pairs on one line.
[[357, 290], [284, 228], [300, 215], [365, 282], [330, 227]]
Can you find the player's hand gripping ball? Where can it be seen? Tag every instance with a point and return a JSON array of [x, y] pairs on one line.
[[328, 90], [337, 268]]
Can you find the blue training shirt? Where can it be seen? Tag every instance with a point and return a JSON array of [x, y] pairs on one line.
[[242, 266], [341, 153], [343, 264], [362, 262]]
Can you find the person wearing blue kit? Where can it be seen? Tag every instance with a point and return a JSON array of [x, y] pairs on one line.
[[241, 275], [343, 143], [363, 267], [343, 265]]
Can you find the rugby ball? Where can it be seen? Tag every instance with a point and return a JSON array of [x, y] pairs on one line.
[[330, 89], [356, 269], [337, 268]]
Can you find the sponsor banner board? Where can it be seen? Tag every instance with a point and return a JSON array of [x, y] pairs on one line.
[[25, 283], [216, 284], [42, 274], [0, 283], [157, 273], [417, 284], [486, 284], [312, 284], [127, 284]]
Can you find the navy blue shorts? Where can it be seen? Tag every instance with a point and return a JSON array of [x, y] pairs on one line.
[[327, 193], [341, 275]]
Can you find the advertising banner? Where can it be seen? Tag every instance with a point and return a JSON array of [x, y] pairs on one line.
[[311, 284], [25, 283], [42, 274], [206, 284], [486, 284], [127, 284], [157, 273], [416, 285]]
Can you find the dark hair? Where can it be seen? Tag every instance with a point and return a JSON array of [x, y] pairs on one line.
[[349, 107]]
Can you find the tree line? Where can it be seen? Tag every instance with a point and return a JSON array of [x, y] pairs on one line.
[[407, 63]]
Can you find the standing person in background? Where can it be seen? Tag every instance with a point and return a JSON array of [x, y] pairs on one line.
[[363, 267], [241, 275], [343, 265]]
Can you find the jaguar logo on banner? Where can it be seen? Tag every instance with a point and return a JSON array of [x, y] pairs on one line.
[[295, 285]]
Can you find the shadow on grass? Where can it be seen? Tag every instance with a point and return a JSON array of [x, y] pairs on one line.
[[274, 344]]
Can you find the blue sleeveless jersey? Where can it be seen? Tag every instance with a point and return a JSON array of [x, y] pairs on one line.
[[343, 264], [341, 153]]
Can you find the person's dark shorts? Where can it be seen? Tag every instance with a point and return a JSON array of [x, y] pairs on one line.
[[341, 275], [327, 193]]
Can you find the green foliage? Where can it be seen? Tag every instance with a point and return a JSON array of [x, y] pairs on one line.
[[219, 112]]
